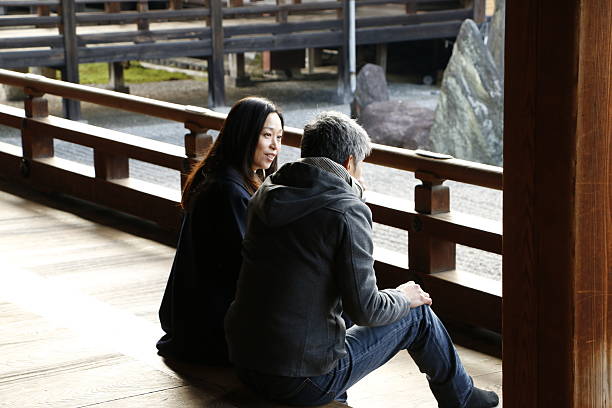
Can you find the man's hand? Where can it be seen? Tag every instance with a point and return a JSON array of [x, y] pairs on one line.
[[415, 294]]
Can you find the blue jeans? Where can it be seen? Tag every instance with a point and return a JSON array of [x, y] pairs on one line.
[[420, 333]]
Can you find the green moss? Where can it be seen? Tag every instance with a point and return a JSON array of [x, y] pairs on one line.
[[97, 73]]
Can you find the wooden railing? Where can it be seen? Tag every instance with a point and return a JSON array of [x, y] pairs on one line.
[[260, 27], [433, 230]]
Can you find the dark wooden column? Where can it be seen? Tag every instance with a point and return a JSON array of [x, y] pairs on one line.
[[557, 204], [70, 70], [216, 71], [112, 7], [479, 8], [344, 85], [142, 6]]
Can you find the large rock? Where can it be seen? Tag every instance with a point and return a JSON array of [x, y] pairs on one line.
[[468, 122], [371, 87], [399, 123], [496, 39]]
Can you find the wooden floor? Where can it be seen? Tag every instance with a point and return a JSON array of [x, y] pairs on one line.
[[78, 318]]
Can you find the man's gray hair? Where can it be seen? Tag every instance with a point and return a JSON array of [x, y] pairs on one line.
[[335, 136]]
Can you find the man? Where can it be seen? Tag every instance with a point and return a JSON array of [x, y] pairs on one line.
[[307, 258]]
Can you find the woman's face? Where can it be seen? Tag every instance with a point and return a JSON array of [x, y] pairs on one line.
[[269, 144]]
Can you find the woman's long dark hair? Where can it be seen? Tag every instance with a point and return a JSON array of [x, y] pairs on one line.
[[235, 146]]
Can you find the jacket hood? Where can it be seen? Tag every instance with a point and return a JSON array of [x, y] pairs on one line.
[[296, 190]]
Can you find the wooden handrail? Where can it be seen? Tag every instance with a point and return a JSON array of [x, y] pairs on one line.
[[403, 159]]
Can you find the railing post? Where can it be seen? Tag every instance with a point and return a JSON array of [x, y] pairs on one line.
[[216, 71], [478, 9], [43, 11], [197, 144], [427, 254], [115, 69], [109, 166], [142, 7], [112, 7], [282, 16], [175, 4], [116, 78], [34, 146], [70, 70]]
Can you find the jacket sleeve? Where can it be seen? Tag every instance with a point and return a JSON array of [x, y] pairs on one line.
[[234, 209], [361, 299]]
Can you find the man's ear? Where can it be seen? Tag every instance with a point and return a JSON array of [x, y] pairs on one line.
[[349, 163]]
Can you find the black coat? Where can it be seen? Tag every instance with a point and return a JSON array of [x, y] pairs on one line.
[[203, 277]]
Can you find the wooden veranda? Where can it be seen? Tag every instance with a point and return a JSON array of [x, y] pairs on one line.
[[78, 305], [557, 178]]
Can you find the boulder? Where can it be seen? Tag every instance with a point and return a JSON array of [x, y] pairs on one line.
[[468, 122], [371, 87], [398, 123], [496, 38]]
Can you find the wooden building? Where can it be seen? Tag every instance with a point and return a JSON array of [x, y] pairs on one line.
[[63, 34]]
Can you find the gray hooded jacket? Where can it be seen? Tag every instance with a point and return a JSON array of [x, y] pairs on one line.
[[307, 257]]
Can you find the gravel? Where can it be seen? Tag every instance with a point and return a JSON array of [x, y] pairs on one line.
[[300, 100]]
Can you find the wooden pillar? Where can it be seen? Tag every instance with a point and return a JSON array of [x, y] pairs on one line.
[[236, 61], [43, 11], [175, 4], [479, 8], [143, 7], [112, 7], [310, 58], [216, 71], [427, 254], [111, 166], [115, 77], [557, 334], [282, 16], [70, 70], [411, 7], [381, 56], [344, 85]]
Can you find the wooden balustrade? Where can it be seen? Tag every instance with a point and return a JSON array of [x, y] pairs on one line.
[[433, 229]]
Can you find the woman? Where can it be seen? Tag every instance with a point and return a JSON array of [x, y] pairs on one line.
[[203, 277]]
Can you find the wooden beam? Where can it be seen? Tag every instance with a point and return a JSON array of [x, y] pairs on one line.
[[70, 70], [557, 204], [344, 86], [116, 78], [216, 71], [143, 8]]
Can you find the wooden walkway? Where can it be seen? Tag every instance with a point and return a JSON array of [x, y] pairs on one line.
[[78, 310]]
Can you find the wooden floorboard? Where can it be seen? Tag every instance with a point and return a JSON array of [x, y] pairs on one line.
[[78, 312]]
